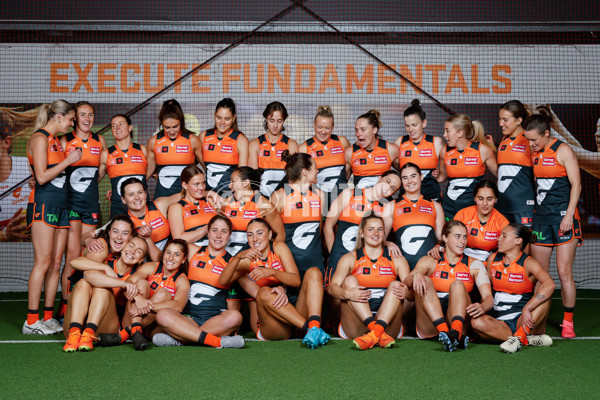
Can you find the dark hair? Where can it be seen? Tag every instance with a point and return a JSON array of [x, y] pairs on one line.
[[539, 122], [184, 246], [130, 181], [81, 104], [486, 183], [253, 175], [516, 108], [391, 172], [295, 163], [410, 165], [373, 117], [105, 233], [172, 110], [188, 173], [521, 231], [271, 108], [415, 109], [229, 105], [366, 218], [172, 102], [127, 119], [220, 218], [448, 227], [325, 112], [260, 220]]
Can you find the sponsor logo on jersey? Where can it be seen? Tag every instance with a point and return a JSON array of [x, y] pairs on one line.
[[314, 204], [208, 209], [137, 159], [385, 270], [490, 236], [210, 147], [366, 271], [426, 153], [266, 153], [516, 278], [503, 147], [525, 220], [474, 232], [337, 150], [156, 223], [217, 269], [451, 161], [498, 275], [471, 160], [154, 285], [278, 153], [444, 274], [296, 206], [463, 276], [162, 149], [182, 148], [226, 148], [95, 151], [320, 153], [381, 160], [406, 210], [549, 162], [406, 153], [426, 209], [519, 148], [536, 161], [249, 214], [120, 160], [276, 265], [360, 161]]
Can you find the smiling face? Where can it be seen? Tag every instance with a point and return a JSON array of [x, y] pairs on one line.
[[120, 128], [411, 180], [85, 119], [275, 123], [508, 122], [415, 127], [323, 128], [386, 186], [134, 197], [508, 240], [259, 236], [485, 200], [172, 127], [311, 174], [195, 186], [134, 251], [451, 134], [118, 235], [224, 120], [537, 141], [218, 235], [173, 256], [365, 132], [456, 241], [373, 232], [64, 122], [238, 186]]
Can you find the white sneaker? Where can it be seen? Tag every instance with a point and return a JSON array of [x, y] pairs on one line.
[[539, 340], [163, 340], [54, 325], [38, 328], [511, 345], [232, 342]]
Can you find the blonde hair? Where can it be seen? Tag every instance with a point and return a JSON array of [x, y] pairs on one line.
[[325, 112], [49, 111], [360, 242], [18, 121], [473, 130]]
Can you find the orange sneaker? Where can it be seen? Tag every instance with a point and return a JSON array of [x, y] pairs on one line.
[[72, 342], [386, 341], [87, 342], [568, 330], [366, 341]]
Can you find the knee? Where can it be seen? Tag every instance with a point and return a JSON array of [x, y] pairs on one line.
[[394, 285], [165, 317], [478, 324], [143, 286], [264, 295], [100, 294], [82, 286], [313, 274], [457, 286], [232, 319], [161, 295], [349, 282]]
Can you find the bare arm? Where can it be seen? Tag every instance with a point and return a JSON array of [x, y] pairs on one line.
[[175, 217], [566, 157], [333, 216], [243, 149], [489, 158], [442, 167], [38, 148], [150, 157], [253, 154]]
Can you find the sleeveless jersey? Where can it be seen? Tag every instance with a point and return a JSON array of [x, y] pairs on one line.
[[240, 215], [553, 186], [376, 275], [157, 280], [446, 273], [269, 159], [172, 156], [82, 176], [120, 296], [331, 164], [368, 165], [301, 217], [205, 290], [465, 170], [512, 287], [220, 157], [196, 216], [19, 196], [157, 221], [414, 228], [424, 155], [347, 226], [120, 166], [53, 193], [272, 261], [482, 238], [515, 176]]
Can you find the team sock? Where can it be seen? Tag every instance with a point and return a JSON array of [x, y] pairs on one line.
[[63, 308], [75, 327], [568, 311], [90, 329], [370, 322], [48, 313], [457, 324], [32, 316], [136, 327], [379, 327], [441, 325], [314, 321], [522, 333], [209, 340]]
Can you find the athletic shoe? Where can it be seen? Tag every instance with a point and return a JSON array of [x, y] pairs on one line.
[[386, 341], [568, 330], [87, 342], [164, 340], [232, 342], [463, 342], [311, 339], [109, 339], [366, 341], [72, 342], [511, 345], [37, 328], [539, 340], [139, 341], [54, 325], [450, 339], [324, 338]]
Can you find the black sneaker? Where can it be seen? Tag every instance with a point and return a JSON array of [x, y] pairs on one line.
[[109, 339], [139, 341], [463, 342], [450, 339]]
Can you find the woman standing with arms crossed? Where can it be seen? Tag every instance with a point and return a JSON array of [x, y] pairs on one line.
[[49, 217], [556, 221]]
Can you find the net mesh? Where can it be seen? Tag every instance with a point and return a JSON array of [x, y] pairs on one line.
[[348, 55]]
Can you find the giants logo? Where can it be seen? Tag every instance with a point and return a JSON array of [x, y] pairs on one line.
[[471, 160], [413, 238], [226, 149], [337, 150], [426, 153], [156, 223], [200, 292], [304, 235], [180, 148], [516, 278], [381, 160]]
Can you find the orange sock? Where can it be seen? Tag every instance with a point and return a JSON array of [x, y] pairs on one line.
[[522, 333], [378, 329], [63, 308], [209, 340], [457, 325], [124, 335], [90, 331], [74, 329], [314, 321], [371, 325], [568, 316], [136, 327], [32, 317], [48, 311], [441, 325]]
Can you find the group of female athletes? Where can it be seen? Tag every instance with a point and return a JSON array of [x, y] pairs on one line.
[[272, 229]]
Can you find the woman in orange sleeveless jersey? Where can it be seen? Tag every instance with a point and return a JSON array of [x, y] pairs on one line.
[[368, 281], [205, 319], [82, 182], [370, 156], [420, 149], [188, 218], [265, 151], [171, 150], [442, 290], [99, 299], [464, 161], [125, 159], [224, 148], [556, 220], [48, 214], [328, 150], [520, 310]]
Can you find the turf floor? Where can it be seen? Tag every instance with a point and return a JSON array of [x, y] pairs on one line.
[[286, 370]]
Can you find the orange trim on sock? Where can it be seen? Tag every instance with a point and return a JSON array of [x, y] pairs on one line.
[[378, 330], [371, 325], [48, 314], [90, 331], [32, 318], [443, 327], [212, 340], [314, 324], [124, 335], [73, 330], [521, 333], [457, 325], [135, 329], [568, 316]]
